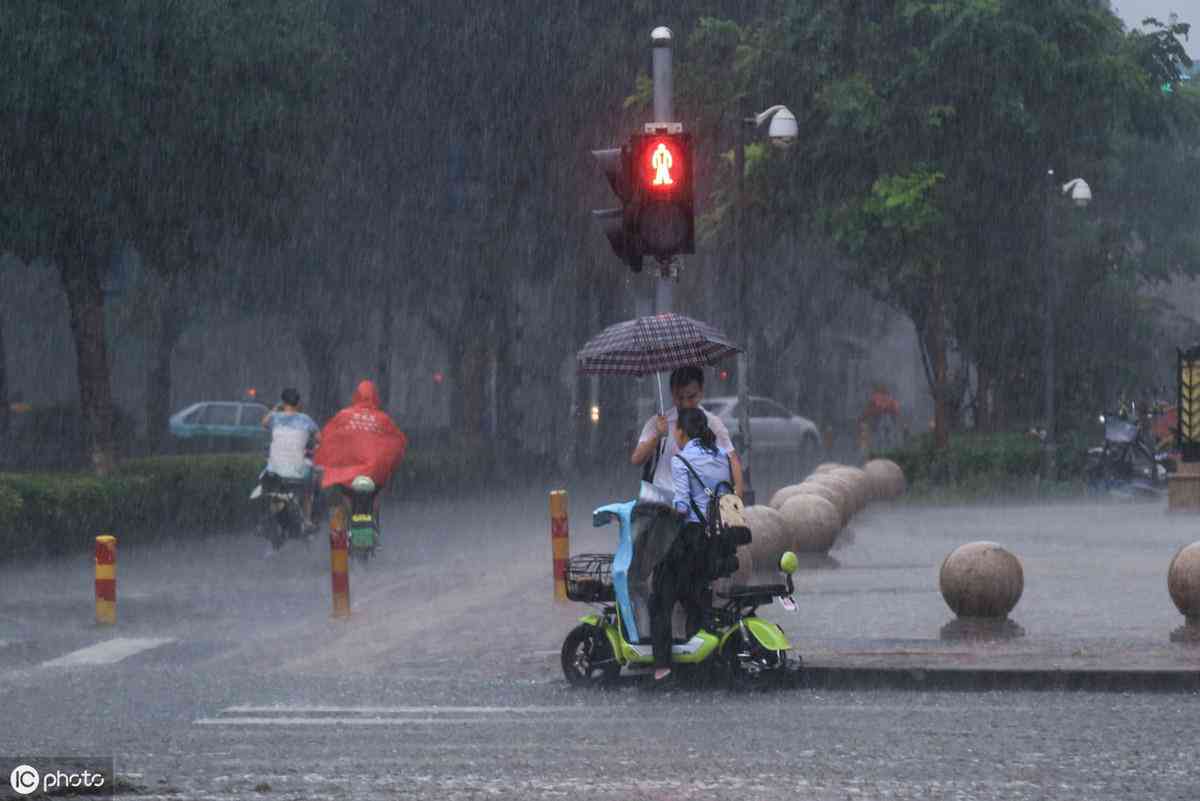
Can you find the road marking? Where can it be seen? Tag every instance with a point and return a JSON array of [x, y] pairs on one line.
[[393, 710], [382, 715], [251, 715], [356, 721], [109, 652]]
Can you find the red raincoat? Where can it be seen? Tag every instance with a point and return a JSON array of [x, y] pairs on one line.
[[360, 440]]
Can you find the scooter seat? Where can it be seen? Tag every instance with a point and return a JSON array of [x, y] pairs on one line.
[[737, 592]]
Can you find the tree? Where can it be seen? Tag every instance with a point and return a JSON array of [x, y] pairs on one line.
[[131, 123], [926, 129]]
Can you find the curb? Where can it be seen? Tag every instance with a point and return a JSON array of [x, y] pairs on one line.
[[983, 680]]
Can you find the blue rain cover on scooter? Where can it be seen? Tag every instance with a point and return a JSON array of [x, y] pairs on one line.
[[623, 514], [646, 533]]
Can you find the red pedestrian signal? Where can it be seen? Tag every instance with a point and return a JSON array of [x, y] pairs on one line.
[[661, 160], [663, 172]]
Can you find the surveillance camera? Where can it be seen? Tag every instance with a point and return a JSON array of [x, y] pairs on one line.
[[783, 131], [1078, 190]]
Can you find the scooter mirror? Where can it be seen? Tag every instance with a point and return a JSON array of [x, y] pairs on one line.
[[788, 563]]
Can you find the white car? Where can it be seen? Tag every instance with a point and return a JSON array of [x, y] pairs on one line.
[[772, 427]]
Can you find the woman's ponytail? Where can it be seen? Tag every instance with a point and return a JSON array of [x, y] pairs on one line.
[[694, 424]]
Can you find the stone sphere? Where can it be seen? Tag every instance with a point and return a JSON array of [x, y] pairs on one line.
[[813, 523], [981, 579], [769, 536], [843, 485], [782, 494], [825, 467], [860, 488], [1183, 581], [835, 495], [886, 479]]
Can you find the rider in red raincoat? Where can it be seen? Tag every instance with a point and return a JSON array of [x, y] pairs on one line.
[[360, 440]]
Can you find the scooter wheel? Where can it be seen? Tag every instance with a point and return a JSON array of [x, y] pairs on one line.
[[587, 657], [749, 665]]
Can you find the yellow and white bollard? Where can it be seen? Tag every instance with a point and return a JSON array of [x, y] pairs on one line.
[[560, 542], [339, 562], [106, 579]]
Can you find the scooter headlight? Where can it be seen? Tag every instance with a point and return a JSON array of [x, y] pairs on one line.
[[1102, 419]]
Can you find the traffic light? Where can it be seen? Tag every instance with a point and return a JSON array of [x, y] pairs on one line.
[[662, 174], [620, 224]]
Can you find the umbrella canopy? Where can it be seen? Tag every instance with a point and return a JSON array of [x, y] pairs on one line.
[[653, 344]]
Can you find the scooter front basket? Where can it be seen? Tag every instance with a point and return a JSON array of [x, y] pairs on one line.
[[590, 579]]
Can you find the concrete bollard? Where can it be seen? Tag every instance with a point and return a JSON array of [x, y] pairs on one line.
[[886, 479], [769, 537], [782, 494], [339, 562], [981, 582], [560, 542], [1183, 583], [849, 503], [106, 579], [813, 523], [833, 494], [860, 490]]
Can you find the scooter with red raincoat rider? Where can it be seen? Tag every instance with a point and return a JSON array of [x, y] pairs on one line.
[[360, 448]]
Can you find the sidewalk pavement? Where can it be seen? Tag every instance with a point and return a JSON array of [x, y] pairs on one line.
[[1019, 664]]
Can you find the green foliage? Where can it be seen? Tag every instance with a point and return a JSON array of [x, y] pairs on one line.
[[176, 496], [167, 112], [146, 499], [52, 436], [926, 131], [11, 507], [976, 461]]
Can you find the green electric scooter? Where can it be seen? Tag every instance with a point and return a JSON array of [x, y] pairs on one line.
[[748, 649]]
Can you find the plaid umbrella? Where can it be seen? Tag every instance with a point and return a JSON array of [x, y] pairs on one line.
[[653, 344]]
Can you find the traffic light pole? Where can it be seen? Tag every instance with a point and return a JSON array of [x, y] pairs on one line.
[[743, 296], [664, 111]]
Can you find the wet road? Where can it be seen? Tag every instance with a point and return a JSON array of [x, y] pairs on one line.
[[226, 678]]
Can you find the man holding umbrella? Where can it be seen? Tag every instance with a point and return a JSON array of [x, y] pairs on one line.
[[687, 391], [655, 344]]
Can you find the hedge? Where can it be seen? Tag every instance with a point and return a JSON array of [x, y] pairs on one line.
[[978, 462], [145, 499], [165, 496]]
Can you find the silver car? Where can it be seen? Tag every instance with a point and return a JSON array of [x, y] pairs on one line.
[[773, 429]]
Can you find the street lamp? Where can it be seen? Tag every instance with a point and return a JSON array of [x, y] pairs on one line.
[[1080, 194], [783, 132]]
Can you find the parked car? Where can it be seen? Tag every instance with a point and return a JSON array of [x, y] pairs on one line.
[[772, 427], [220, 419]]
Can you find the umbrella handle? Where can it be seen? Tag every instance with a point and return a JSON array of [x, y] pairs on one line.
[[660, 398]]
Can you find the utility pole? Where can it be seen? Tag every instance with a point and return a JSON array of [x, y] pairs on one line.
[[1049, 310]]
